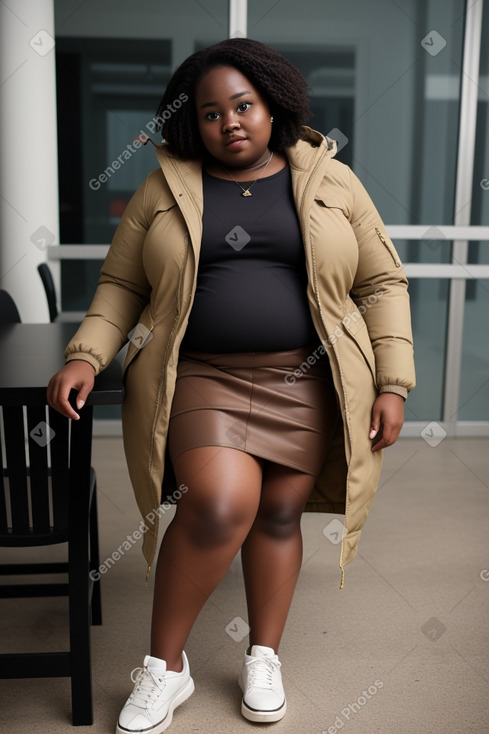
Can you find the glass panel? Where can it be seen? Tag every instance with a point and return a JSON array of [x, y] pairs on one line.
[[386, 77], [474, 382], [388, 87], [429, 308], [474, 385], [112, 68]]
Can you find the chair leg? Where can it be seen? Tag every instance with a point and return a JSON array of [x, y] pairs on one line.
[[95, 559], [80, 658], [79, 580]]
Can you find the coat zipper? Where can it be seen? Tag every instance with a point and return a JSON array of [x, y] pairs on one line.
[[316, 293], [166, 359], [388, 246]]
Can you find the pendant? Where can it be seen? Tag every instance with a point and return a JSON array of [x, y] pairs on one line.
[[246, 193]]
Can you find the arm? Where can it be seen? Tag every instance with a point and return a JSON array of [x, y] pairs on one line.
[[121, 295], [381, 284]]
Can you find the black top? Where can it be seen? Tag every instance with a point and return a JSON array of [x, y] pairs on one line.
[[251, 283]]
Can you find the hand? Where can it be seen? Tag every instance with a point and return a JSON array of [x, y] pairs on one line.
[[76, 374], [387, 420]]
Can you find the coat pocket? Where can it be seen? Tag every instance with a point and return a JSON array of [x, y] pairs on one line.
[[331, 202], [138, 338], [356, 328], [390, 248]]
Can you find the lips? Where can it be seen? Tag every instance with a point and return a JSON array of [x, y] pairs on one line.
[[235, 139]]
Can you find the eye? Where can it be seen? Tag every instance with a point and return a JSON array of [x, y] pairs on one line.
[[244, 106], [212, 116]]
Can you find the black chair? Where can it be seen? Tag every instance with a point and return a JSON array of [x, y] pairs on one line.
[[8, 310], [47, 496], [48, 283]]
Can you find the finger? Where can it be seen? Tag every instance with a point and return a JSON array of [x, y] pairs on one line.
[[390, 434], [375, 423], [83, 394], [63, 404], [393, 434]]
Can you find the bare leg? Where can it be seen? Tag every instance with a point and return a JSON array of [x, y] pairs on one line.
[[212, 519], [272, 552]]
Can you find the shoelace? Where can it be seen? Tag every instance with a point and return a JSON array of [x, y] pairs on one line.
[[148, 687], [261, 671]]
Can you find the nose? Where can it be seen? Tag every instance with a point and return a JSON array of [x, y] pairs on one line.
[[230, 124]]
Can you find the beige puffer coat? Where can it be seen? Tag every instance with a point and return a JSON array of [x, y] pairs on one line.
[[357, 292]]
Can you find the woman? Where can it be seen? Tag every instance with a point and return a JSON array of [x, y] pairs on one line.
[[270, 355]]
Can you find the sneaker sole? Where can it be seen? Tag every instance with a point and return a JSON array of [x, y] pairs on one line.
[[165, 723], [261, 716]]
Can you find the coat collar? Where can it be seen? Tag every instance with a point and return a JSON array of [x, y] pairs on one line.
[[310, 148], [308, 160]]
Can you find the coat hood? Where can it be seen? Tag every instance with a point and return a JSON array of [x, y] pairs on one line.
[[301, 154]]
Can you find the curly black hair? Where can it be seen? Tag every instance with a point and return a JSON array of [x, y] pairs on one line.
[[279, 82]]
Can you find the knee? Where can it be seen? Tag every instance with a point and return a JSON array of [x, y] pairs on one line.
[[279, 521], [215, 526]]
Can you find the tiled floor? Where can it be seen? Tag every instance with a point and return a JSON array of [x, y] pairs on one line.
[[403, 648]]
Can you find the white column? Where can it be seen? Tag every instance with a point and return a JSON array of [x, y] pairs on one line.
[[463, 196], [238, 18], [28, 152]]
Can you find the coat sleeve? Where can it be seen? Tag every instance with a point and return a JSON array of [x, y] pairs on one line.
[[380, 292], [123, 289]]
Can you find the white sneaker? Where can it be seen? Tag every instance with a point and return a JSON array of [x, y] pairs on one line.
[[157, 693], [261, 683]]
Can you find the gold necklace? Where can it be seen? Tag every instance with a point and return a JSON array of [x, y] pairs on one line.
[[246, 192]]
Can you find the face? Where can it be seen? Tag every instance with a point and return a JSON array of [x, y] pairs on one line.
[[233, 118]]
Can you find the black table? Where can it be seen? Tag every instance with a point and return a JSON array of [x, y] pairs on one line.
[[30, 354]]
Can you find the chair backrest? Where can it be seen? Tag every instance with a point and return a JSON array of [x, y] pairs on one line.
[[8, 310], [34, 481], [48, 283]]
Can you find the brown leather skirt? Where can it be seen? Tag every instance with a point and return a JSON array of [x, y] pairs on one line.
[[279, 406]]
